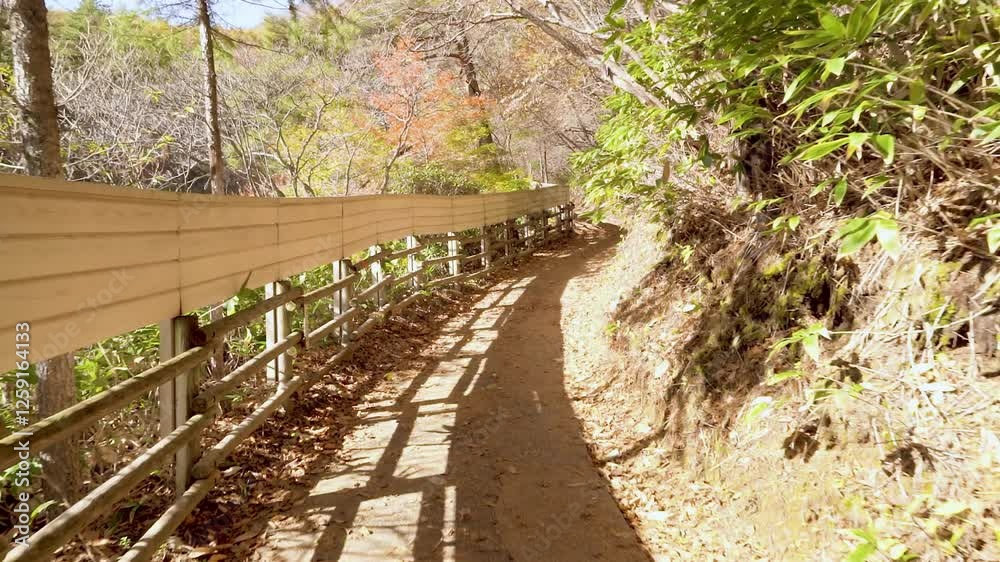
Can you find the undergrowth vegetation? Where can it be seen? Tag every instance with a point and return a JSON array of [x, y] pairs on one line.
[[824, 178]]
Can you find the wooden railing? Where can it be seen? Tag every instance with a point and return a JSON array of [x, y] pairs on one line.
[[83, 262]]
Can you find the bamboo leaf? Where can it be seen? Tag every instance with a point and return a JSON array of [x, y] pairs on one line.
[[835, 66], [839, 191], [797, 84], [886, 145], [810, 344], [833, 25], [918, 91], [821, 149], [854, 235]]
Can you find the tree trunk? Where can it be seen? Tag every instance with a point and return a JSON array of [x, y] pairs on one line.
[[39, 118], [216, 165], [38, 124], [472, 84]]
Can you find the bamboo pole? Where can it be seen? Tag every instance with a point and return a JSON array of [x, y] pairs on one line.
[[413, 267], [453, 247], [277, 328], [342, 298]]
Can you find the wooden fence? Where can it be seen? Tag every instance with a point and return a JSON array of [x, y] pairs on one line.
[[84, 262]]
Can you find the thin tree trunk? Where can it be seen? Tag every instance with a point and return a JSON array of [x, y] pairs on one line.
[[472, 84], [39, 130], [216, 165]]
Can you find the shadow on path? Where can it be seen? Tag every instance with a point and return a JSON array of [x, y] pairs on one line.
[[481, 456]]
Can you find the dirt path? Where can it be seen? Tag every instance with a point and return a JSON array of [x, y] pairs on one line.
[[477, 455]]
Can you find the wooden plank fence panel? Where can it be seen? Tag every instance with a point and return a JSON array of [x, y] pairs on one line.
[[82, 262], [310, 233], [360, 229], [394, 216], [467, 212], [197, 212], [31, 205], [69, 332], [92, 291], [42, 256], [222, 241], [431, 214]]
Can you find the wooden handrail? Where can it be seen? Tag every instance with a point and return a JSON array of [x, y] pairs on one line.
[[210, 395], [405, 252], [243, 318], [101, 499], [325, 329], [82, 415], [327, 290], [373, 289]]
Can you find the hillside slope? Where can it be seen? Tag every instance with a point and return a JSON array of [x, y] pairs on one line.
[[728, 435]]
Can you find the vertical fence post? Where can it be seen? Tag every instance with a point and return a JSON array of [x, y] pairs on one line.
[[529, 231], [411, 261], [508, 234], [342, 298], [544, 218], [276, 328], [485, 246], [347, 295], [377, 274], [453, 265], [175, 396]]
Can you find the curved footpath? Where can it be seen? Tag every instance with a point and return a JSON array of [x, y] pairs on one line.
[[478, 456]]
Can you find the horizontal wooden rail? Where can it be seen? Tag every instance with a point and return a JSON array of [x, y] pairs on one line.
[[204, 467], [147, 546], [405, 303], [328, 290], [438, 261], [211, 394], [243, 318], [446, 280], [84, 414], [102, 499], [364, 263], [402, 279], [324, 330], [405, 252], [371, 291], [438, 238]]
